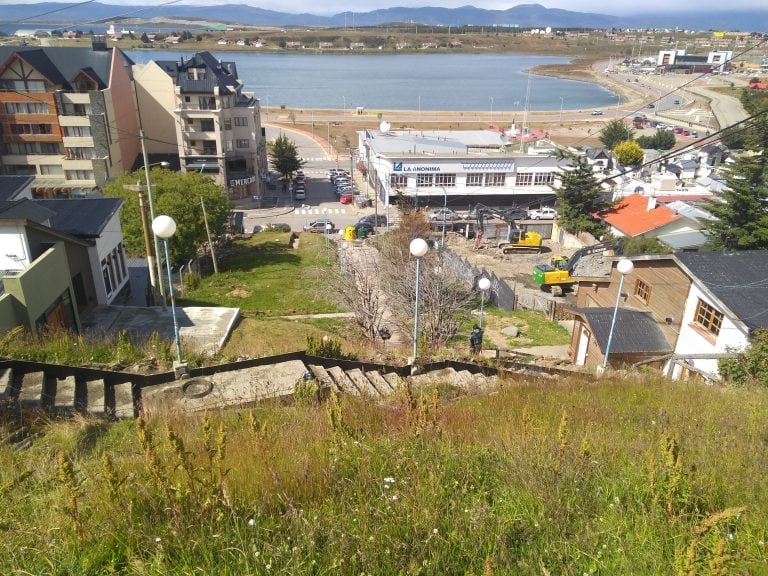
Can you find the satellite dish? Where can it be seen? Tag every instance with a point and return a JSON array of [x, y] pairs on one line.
[[384, 126]]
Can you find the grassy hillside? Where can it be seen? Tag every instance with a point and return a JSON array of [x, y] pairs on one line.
[[543, 477]]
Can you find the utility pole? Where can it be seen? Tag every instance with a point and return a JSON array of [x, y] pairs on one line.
[[208, 233], [152, 216], [147, 246]]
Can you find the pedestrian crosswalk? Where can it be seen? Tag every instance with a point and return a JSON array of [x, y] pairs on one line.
[[319, 211]]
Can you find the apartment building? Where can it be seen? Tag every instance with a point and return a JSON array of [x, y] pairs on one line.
[[67, 117], [196, 108]]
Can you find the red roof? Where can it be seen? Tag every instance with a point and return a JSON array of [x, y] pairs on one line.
[[631, 216]]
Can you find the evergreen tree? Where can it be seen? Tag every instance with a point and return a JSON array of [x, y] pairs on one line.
[[662, 140], [284, 157], [578, 197], [144, 38], [614, 132]]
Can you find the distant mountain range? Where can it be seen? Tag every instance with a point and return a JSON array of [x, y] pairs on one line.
[[523, 15]]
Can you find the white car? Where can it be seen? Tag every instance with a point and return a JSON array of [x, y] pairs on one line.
[[545, 213]]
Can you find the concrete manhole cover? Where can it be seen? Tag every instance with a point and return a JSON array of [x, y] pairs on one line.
[[197, 388]]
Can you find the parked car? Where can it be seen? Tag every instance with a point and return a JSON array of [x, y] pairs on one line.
[[651, 105], [300, 194], [544, 213], [597, 112], [347, 198], [319, 226], [374, 219], [442, 214]]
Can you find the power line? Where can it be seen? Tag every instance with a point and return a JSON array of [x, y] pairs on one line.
[[68, 7]]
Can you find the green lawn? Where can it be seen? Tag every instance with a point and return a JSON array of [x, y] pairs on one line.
[[535, 329], [264, 276]]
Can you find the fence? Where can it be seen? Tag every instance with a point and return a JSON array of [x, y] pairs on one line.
[[501, 293]]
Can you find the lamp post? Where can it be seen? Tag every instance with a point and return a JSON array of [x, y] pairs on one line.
[[418, 249], [483, 284], [164, 227], [445, 210], [624, 267], [147, 166]]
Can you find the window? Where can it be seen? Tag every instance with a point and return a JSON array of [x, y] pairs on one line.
[[227, 123], [642, 291], [33, 129], [206, 103], [524, 179], [190, 121], [474, 179], [51, 169], [206, 125], [228, 145], [209, 147], [21, 148], [77, 131], [398, 181], [187, 99], [77, 109], [78, 174], [708, 318], [544, 178], [26, 108], [241, 121], [445, 179], [20, 170], [80, 153], [242, 143], [424, 180], [495, 179], [49, 148], [23, 85], [105, 273]]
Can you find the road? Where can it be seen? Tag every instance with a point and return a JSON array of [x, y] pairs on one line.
[[321, 200]]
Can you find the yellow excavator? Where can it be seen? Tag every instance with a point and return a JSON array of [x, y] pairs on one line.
[[517, 240], [556, 276]]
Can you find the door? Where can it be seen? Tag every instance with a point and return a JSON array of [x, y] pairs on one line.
[[581, 354]]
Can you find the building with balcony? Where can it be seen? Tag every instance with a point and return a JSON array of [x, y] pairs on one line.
[[67, 117], [196, 107]]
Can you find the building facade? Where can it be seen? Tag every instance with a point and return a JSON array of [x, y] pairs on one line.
[[216, 126], [68, 117]]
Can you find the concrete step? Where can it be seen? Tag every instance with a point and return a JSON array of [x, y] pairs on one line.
[[324, 379], [393, 379], [464, 379], [362, 383], [64, 400], [384, 387], [6, 384], [95, 398], [343, 382], [31, 389], [123, 406]]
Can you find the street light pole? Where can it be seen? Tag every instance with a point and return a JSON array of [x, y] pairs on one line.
[[625, 266], [164, 227], [483, 284], [418, 249], [445, 209]]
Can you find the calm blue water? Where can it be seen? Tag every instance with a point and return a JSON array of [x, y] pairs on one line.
[[455, 82]]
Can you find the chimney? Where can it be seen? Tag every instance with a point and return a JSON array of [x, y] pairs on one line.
[[98, 43], [651, 203]]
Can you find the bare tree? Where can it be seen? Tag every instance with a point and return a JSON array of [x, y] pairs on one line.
[[357, 281]]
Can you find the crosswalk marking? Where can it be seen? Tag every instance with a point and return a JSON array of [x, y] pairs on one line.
[[319, 211]]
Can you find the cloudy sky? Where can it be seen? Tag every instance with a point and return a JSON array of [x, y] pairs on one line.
[[336, 6]]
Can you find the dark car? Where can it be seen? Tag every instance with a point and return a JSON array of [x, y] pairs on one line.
[[374, 220], [319, 226]]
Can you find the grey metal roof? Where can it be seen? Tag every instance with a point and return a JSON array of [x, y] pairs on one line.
[[634, 332], [681, 240], [218, 74], [24, 209], [61, 64], [11, 186], [739, 280], [81, 217]]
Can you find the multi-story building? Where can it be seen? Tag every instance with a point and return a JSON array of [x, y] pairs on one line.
[[216, 126], [67, 116]]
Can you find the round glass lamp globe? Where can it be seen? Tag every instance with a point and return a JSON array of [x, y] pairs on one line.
[[419, 247], [163, 226], [484, 284], [625, 266]]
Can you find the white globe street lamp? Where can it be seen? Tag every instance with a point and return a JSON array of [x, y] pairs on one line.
[[624, 266], [164, 227], [483, 284], [418, 249]]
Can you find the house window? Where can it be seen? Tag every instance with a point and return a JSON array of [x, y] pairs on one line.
[[424, 180], [31, 129], [642, 291], [708, 318], [241, 121], [227, 123], [474, 179], [80, 153], [544, 178], [398, 181], [77, 131], [495, 179], [190, 122], [51, 169], [26, 108], [445, 179], [105, 274], [49, 148], [79, 174], [524, 179], [242, 143], [206, 125]]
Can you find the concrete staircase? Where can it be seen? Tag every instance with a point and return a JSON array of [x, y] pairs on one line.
[[39, 390]]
